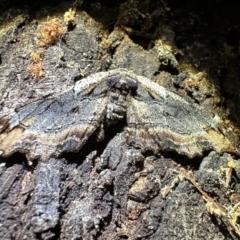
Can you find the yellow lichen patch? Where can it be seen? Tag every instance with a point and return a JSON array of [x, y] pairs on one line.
[[234, 214], [206, 86], [37, 55], [212, 209], [228, 171], [165, 45], [192, 83], [70, 64], [69, 16], [231, 164]]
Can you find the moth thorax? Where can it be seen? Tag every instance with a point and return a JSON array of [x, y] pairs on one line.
[[116, 108]]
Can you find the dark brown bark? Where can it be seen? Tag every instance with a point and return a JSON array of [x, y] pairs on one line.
[[111, 189]]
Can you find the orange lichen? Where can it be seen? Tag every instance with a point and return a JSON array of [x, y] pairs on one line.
[[37, 55], [50, 32], [234, 198], [36, 70]]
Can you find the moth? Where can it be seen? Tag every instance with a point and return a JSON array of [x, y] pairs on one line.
[[156, 119]]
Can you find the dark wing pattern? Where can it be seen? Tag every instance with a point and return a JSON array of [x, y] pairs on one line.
[[61, 123], [157, 119]]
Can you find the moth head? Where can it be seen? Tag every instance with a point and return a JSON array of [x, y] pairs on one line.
[[122, 85]]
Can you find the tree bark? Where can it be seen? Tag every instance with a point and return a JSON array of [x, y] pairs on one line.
[[111, 189]]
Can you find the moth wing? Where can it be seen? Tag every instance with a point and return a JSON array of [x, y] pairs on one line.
[[61, 123], [159, 120]]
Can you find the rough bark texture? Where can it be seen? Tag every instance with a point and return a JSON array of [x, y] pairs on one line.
[[116, 186]]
